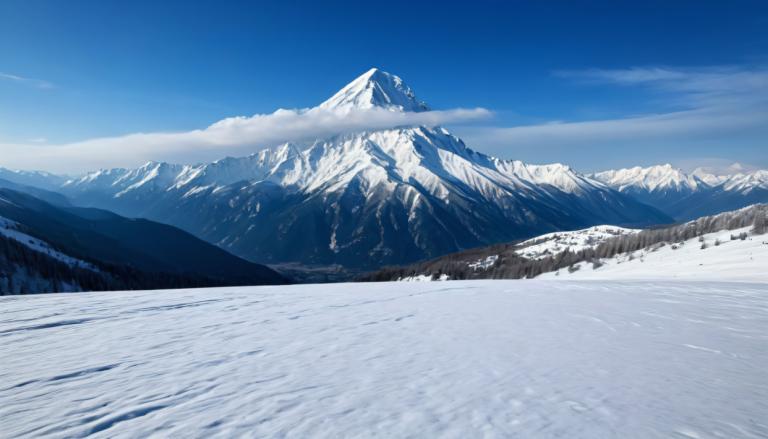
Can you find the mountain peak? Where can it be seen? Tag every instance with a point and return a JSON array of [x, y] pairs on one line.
[[376, 89], [657, 177]]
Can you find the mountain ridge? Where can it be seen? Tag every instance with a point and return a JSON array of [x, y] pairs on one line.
[[686, 196], [362, 199], [117, 252]]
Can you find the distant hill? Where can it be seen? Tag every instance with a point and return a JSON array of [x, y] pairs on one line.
[[595, 247], [51, 197], [51, 248]]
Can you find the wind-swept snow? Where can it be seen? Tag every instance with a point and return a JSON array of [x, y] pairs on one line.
[[451, 360]]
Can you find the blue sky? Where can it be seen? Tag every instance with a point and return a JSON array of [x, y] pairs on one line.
[[590, 84]]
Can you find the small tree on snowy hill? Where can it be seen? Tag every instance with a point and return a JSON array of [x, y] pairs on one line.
[[760, 225]]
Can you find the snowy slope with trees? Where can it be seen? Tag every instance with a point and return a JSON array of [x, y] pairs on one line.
[[51, 248], [591, 247], [725, 255], [11, 229], [494, 359], [574, 241]]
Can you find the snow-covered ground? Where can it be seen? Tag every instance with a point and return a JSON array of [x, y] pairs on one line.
[[575, 241], [487, 359], [741, 260]]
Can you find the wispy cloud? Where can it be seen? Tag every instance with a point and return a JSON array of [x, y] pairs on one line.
[[231, 136], [31, 82], [696, 86], [715, 165], [715, 101]]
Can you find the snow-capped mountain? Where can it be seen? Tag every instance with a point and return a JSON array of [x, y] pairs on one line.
[[375, 89], [659, 178], [39, 179], [362, 199], [686, 196]]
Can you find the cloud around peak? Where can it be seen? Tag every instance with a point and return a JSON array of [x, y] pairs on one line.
[[232, 136]]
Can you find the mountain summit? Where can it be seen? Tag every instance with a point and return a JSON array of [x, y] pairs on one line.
[[375, 89]]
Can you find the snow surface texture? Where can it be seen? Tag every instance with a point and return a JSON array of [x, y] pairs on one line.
[[745, 260], [450, 360], [575, 241]]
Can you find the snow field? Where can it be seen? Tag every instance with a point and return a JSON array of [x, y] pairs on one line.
[[424, 359]]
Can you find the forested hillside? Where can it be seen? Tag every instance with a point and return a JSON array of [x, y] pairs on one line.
[[505, 262]]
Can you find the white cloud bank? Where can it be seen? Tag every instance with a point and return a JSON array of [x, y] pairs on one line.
[[713, 103], [233, 136]]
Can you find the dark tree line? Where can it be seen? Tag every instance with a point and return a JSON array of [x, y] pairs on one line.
[[26, 271], [509, 265]]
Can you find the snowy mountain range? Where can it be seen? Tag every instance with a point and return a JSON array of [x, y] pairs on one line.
[[390, 196], [686, 196], [362, 199]]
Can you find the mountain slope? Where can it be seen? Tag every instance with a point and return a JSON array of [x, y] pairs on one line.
[[716, 256], [103, 239], [51, 197], [375, 88], [362, 199], [687, 196], [593, 247], [573, 241]]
